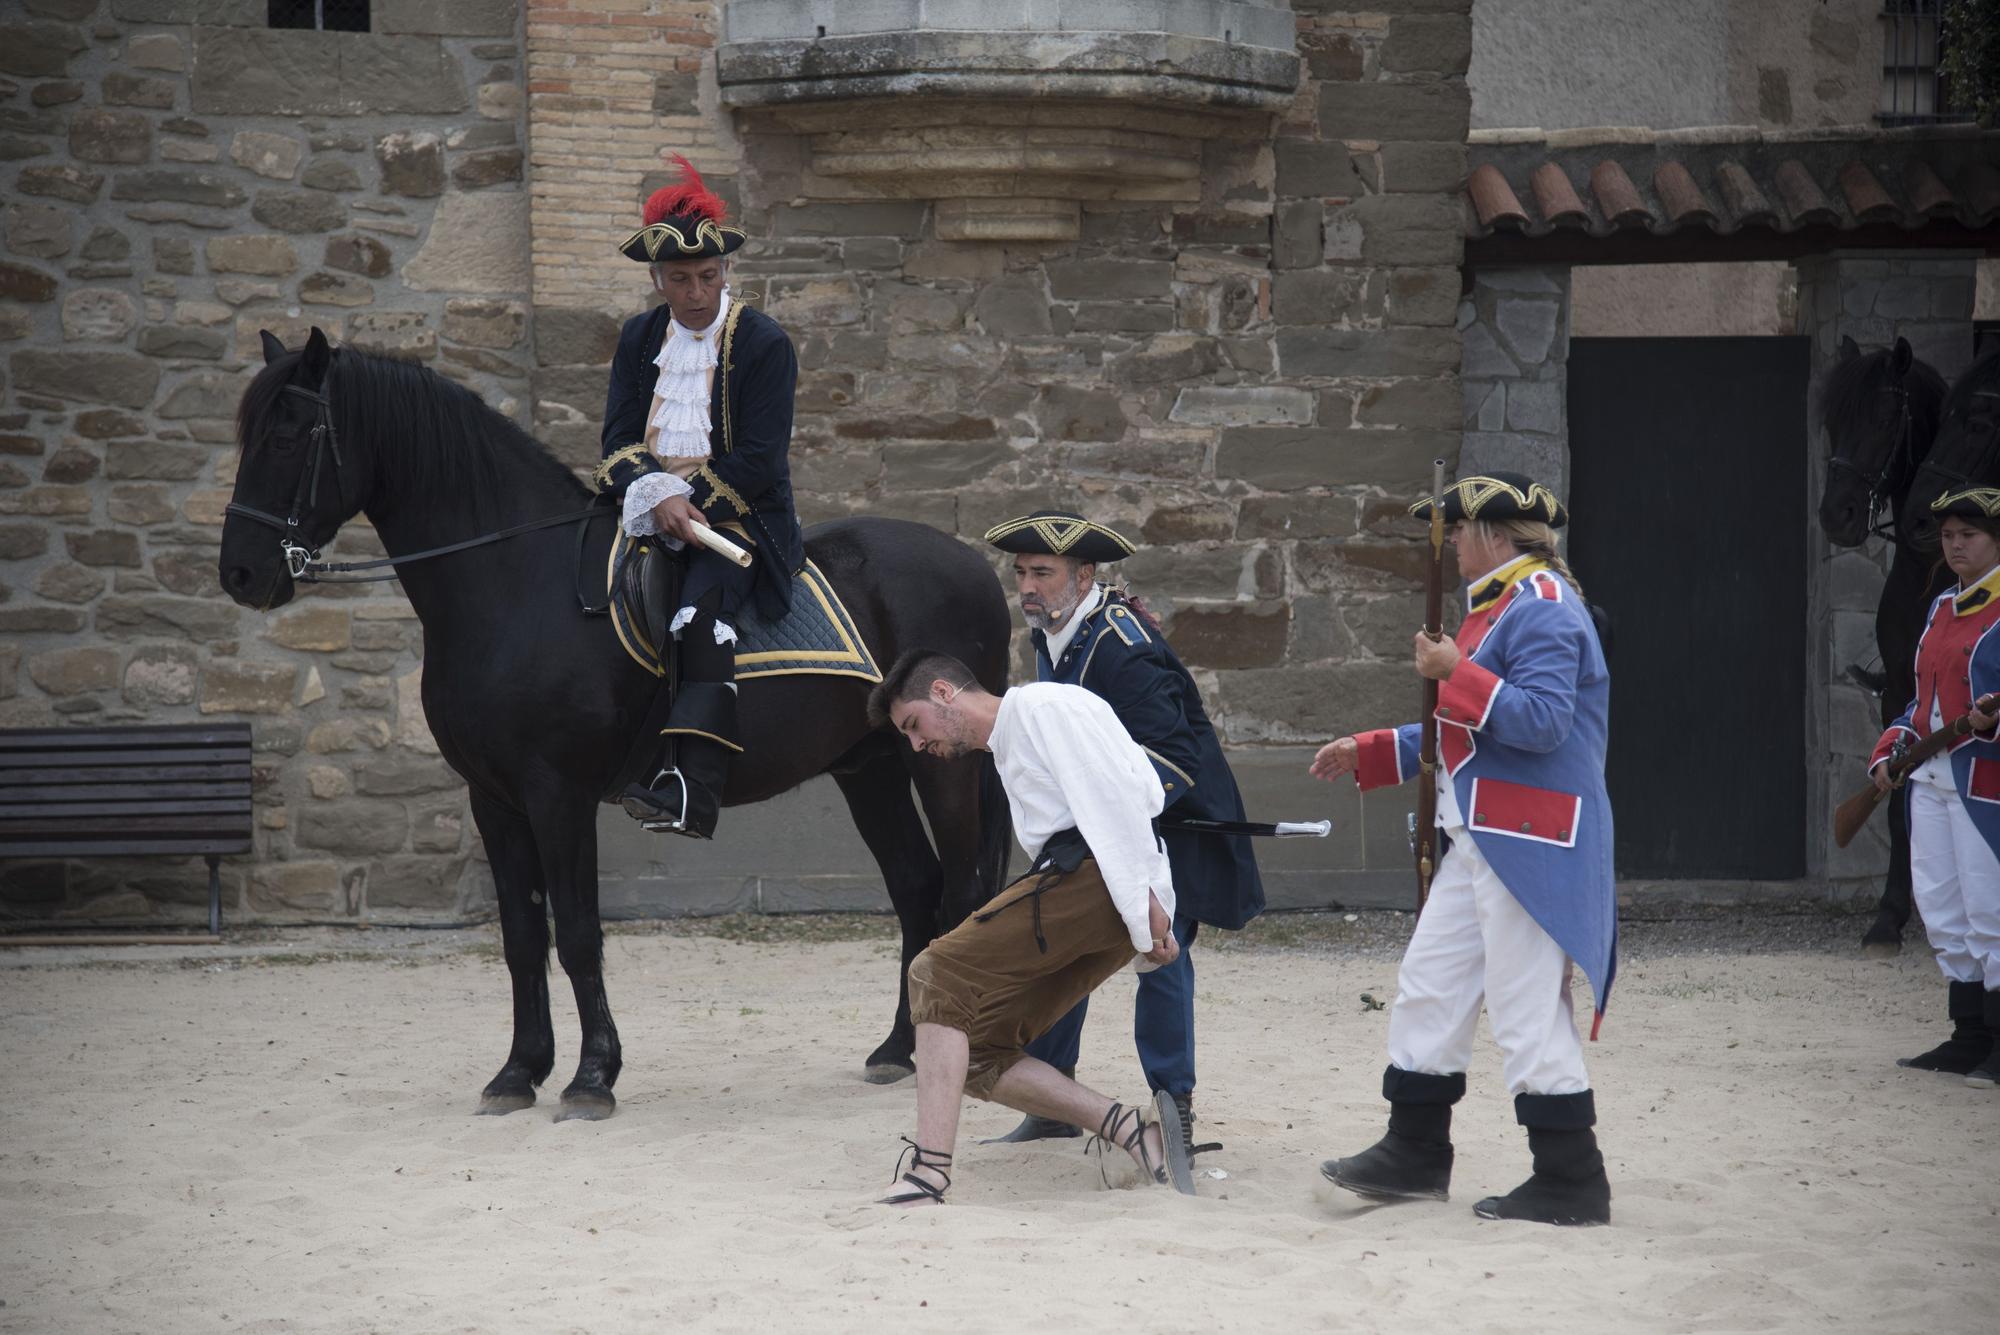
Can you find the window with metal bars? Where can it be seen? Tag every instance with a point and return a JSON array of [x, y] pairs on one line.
[[325, 15], [1913, 90]]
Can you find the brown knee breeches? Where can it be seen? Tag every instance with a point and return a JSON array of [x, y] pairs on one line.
[[990, 978]]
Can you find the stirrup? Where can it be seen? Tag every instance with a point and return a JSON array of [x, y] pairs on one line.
[[937, 1161], [644, 806], [1185, 1102], [1111, 1131]]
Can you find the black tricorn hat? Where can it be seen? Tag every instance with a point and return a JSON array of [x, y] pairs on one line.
[[683, 221], [1060, 533], [1497, 496], [1969, 503]]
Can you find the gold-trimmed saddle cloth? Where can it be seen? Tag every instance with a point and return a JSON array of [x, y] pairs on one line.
[[816, 636]]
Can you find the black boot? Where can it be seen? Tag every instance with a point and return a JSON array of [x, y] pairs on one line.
[[1039, 1128], [1413, 1161], [1986, 1075], [1568, 1185], [685, 797], [1969, 1044]]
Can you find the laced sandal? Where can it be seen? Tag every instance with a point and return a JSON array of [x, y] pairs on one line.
[[920, 1189], [1125, 1128]]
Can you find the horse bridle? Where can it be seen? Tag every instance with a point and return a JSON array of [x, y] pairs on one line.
[[304, 562], [1877, 482]]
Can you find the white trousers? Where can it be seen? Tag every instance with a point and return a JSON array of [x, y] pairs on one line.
[[1956, 880], [1476, 943]]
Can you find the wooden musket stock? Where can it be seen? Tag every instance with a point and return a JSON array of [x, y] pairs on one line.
[[1851, 815]]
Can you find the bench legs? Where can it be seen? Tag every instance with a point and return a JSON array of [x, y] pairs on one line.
[[214, 895]]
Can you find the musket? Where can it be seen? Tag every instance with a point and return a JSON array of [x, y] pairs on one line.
[[1424, 837], [1851, 815]]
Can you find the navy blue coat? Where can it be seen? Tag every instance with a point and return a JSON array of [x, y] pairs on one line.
[[1128, 663], [748, 479]]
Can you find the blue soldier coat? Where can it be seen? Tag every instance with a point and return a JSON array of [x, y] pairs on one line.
[[1118, 655], [1522, 728]]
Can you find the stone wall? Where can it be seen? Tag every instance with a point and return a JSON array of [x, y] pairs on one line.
[[1516, 329], [1873, 298], [1249, 375], [177, 177]]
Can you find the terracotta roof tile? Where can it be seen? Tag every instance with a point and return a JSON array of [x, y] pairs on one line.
[[1928, 195], [1741, 198], [1804, 200], [1682, 199], [1556, 197], [1493, 199], [1742, 181], [1617, 197], [1865, 195]]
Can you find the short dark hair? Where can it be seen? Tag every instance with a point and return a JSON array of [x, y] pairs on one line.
[[911, 678]]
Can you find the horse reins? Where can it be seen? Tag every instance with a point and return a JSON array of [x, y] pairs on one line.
[[304, 562]]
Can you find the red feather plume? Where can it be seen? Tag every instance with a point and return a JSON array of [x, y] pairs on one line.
[[689, 198]]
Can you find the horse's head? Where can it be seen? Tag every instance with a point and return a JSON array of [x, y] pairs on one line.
[[1865, 406], [1965, 454], [297, 481]]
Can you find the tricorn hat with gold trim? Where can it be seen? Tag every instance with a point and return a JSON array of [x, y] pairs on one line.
[[1969, 503], [1497, 496], [683, 221], [1060, 533]]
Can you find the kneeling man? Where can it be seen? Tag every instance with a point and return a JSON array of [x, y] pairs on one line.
[[1098, 893]]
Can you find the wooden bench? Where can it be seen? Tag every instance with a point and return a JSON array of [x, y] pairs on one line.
[[104, 792]]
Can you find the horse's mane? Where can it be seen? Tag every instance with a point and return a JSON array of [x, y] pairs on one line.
[[1845, 394], [429, 437], [1983, 378]]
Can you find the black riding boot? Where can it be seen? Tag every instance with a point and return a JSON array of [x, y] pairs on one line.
[[1969, 1044], [1986, 1075], [1413, 1161], [685, 797], [1039, 1128], [1568, 1185]]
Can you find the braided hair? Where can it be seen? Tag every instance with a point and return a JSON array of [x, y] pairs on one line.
[[1533, 538]]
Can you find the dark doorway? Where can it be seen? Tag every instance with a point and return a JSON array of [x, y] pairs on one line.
[[1688, 486]]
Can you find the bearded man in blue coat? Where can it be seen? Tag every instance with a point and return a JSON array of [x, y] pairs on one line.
[[698, 430], [1091, 635], [1525, 887]]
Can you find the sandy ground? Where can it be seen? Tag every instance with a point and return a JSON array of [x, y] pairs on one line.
[[276, 1137]]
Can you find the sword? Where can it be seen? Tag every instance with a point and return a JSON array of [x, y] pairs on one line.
[[1284, 829]]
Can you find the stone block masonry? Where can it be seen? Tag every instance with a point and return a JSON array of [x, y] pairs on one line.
[[175, 178], [1249, 373]]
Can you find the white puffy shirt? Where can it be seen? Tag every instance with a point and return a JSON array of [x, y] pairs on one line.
[[1067, 762]]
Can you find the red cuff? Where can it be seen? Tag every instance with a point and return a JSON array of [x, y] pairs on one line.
[[1466, 696], [1381, 763], [1888, 742]]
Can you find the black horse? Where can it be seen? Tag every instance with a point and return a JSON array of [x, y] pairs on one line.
[[1966, 453], [535, 704], [1881, 411]]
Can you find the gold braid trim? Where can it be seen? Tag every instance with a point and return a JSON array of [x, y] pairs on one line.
[[630, 454], [722, 370], [717, 487]]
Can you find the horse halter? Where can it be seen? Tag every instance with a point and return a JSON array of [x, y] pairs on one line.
[[304, 562], [322, 440], [1898, 455]]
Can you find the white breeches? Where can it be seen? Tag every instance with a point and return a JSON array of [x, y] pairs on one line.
[[1956, 880], [1476, 943]]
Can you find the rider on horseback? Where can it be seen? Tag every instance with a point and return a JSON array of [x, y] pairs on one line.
[[697, 430]]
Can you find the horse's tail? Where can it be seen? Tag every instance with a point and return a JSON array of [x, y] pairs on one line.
[[996, 829]]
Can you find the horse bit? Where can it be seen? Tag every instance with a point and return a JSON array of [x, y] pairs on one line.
[[304, 562]]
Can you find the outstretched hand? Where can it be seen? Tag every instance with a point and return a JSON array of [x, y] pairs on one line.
[[1338, 757]]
